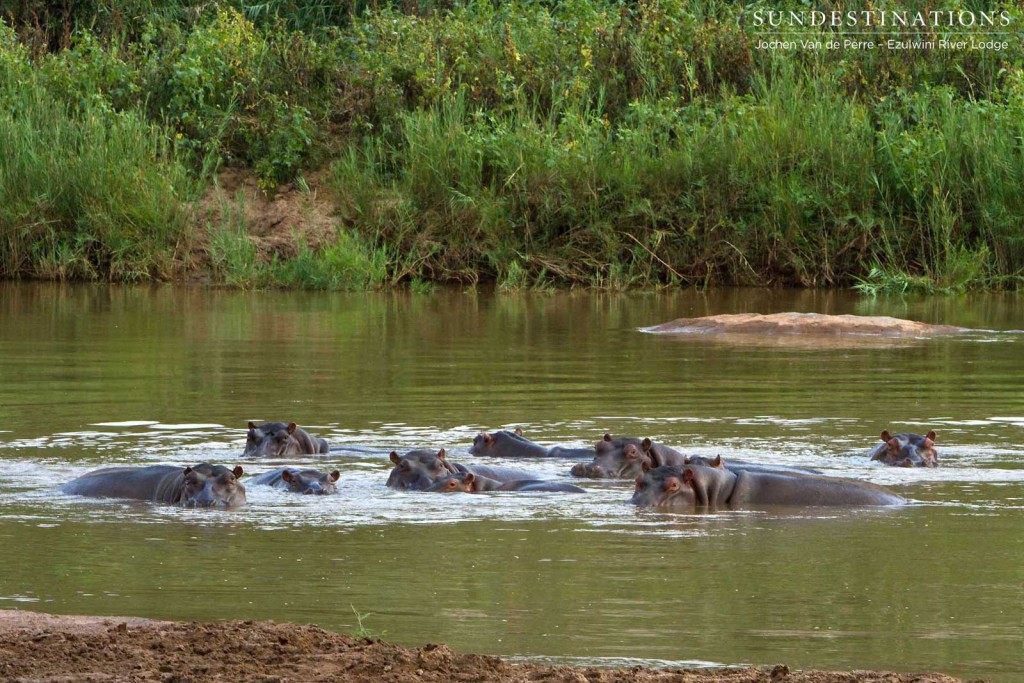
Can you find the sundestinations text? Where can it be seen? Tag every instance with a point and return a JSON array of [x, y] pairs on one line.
[[882, 18]]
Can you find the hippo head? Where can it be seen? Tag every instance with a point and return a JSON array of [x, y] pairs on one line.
[[453, 483], [208, 485], [687, 487], [272, 439], [506, 444], [417, 470], [715, 462], [909, 450], [311, 482], [618, 459]]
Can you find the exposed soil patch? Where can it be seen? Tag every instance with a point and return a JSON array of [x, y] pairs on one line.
[[276, 223], [816, 325], [42, 647]]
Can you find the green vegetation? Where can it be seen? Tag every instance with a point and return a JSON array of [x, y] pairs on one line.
[[361, 630], [527, 144]]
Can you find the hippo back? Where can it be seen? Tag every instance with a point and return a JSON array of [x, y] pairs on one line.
[[777, 488], [160, 483], [502, 474]]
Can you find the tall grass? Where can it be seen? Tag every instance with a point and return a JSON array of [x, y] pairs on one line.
[[526, 143], [87, 195], [792, 183]]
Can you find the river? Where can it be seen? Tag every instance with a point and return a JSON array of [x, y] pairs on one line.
[[95, 375]]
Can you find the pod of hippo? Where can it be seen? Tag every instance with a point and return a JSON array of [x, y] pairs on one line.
[[280, 440], [693, 487], [305, 481], [664, 477], [907, 450], [203, 485]]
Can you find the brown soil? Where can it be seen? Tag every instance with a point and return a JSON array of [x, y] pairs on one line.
[[816, 328], [43, 647], [276, 222]]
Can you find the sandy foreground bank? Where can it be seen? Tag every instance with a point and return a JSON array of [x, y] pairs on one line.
[[44, 647]]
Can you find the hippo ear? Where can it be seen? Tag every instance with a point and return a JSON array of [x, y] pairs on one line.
[[252, 425], [287, 475], [394, 457], [488, 439], [672, 484], [291, 427], [334, 476], [717, 462], [655, 460], [687, 476], [188, 470], [607, 437], [929, 443], [646, 444], [519, 431], [931, 436], [886, 436], [469, 478], [687, 460], [646, 466], [238, 471], [441, 453]]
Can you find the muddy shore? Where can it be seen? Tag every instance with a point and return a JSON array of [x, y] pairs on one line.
[[44, 647]]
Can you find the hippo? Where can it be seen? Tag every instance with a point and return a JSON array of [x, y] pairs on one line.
[[309, 482], [280, 440], [418, 469], [203, 485], [698, 486], [467, 482], [622, 458], [907, 450], [505, 444]]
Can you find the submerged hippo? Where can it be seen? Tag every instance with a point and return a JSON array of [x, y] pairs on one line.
[[623, 458], [907, 450], [505, 444], [698, 486], [203, 485], [417, 470], [280, 440], [467, 482], [309, 482]]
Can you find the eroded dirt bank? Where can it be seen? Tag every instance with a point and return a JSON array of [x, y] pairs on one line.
[[43, 647]]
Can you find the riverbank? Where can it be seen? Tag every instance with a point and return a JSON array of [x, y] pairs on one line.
[[526, 144], [43, 647]]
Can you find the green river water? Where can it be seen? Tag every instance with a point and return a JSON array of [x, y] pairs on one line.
[[91, 376]]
